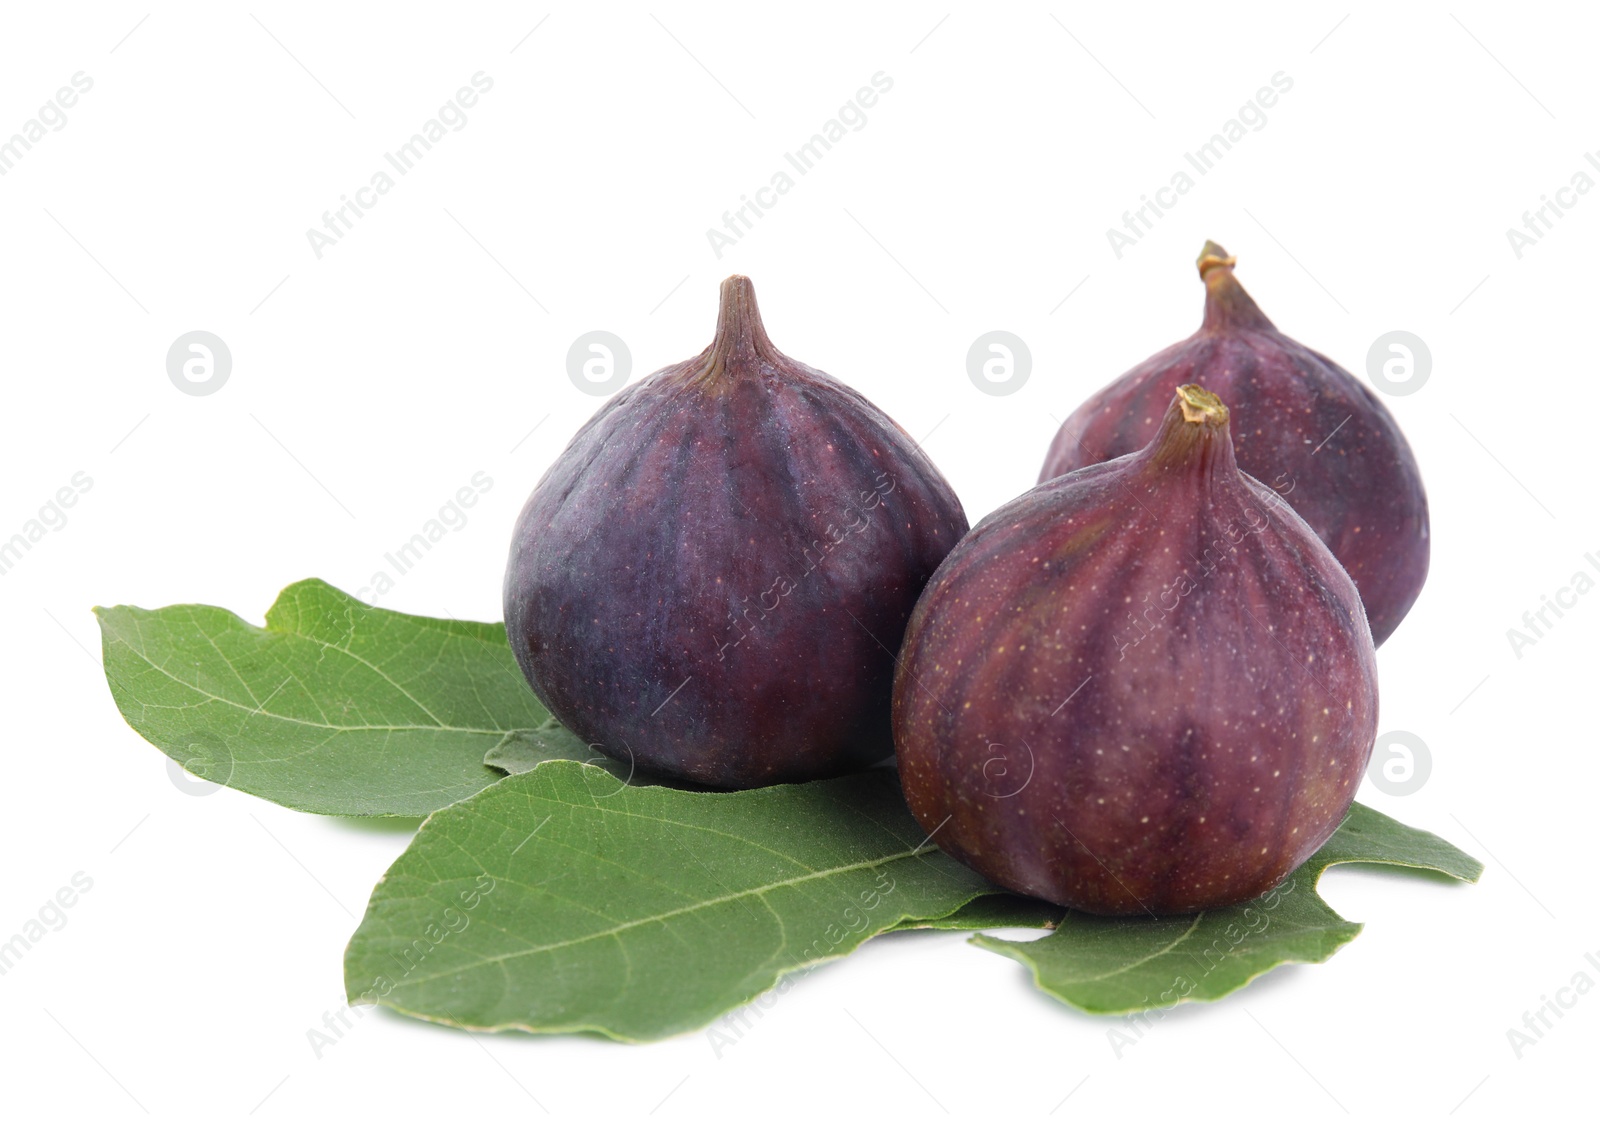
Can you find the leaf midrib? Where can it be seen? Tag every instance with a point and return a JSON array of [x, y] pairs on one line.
[[148, 661], [756, 891]]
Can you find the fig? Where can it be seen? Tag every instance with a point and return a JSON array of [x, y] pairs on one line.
[[1143, 687], [1304, 426], [711, 582]]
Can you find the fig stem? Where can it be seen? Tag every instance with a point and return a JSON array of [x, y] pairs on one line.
[[1228, 306], [1212, 255], [1201, 406], [739, 330], [1194, 433]]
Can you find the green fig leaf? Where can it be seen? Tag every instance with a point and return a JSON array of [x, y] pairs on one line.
[[1117, 965], [998, 910], [334, 706], [525, 749], [551, 896], [559, 900]]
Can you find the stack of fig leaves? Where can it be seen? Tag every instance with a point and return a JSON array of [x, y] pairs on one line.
[[554, 890]]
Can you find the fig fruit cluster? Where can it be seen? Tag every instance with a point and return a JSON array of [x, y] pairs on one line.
[[1148, 685]]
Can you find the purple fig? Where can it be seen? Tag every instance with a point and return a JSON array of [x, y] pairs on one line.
[[1304, 426], [712, 580], [1143, 687]]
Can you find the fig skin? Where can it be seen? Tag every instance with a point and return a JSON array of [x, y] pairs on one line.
[[712, 580], [1144, 687], [1303, 425]]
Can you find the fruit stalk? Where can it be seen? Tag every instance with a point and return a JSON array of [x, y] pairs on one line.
[[741, 338], [1194, 433], [1229, 307]]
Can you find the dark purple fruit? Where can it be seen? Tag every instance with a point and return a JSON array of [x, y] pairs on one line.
[[712, 580], [1144, 687], [1303, 425]]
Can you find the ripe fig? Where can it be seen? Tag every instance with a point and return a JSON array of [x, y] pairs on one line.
[[1143, 687], [712, 580], [1304, 426]]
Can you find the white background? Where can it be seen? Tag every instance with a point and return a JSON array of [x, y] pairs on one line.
[[370, 384]]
